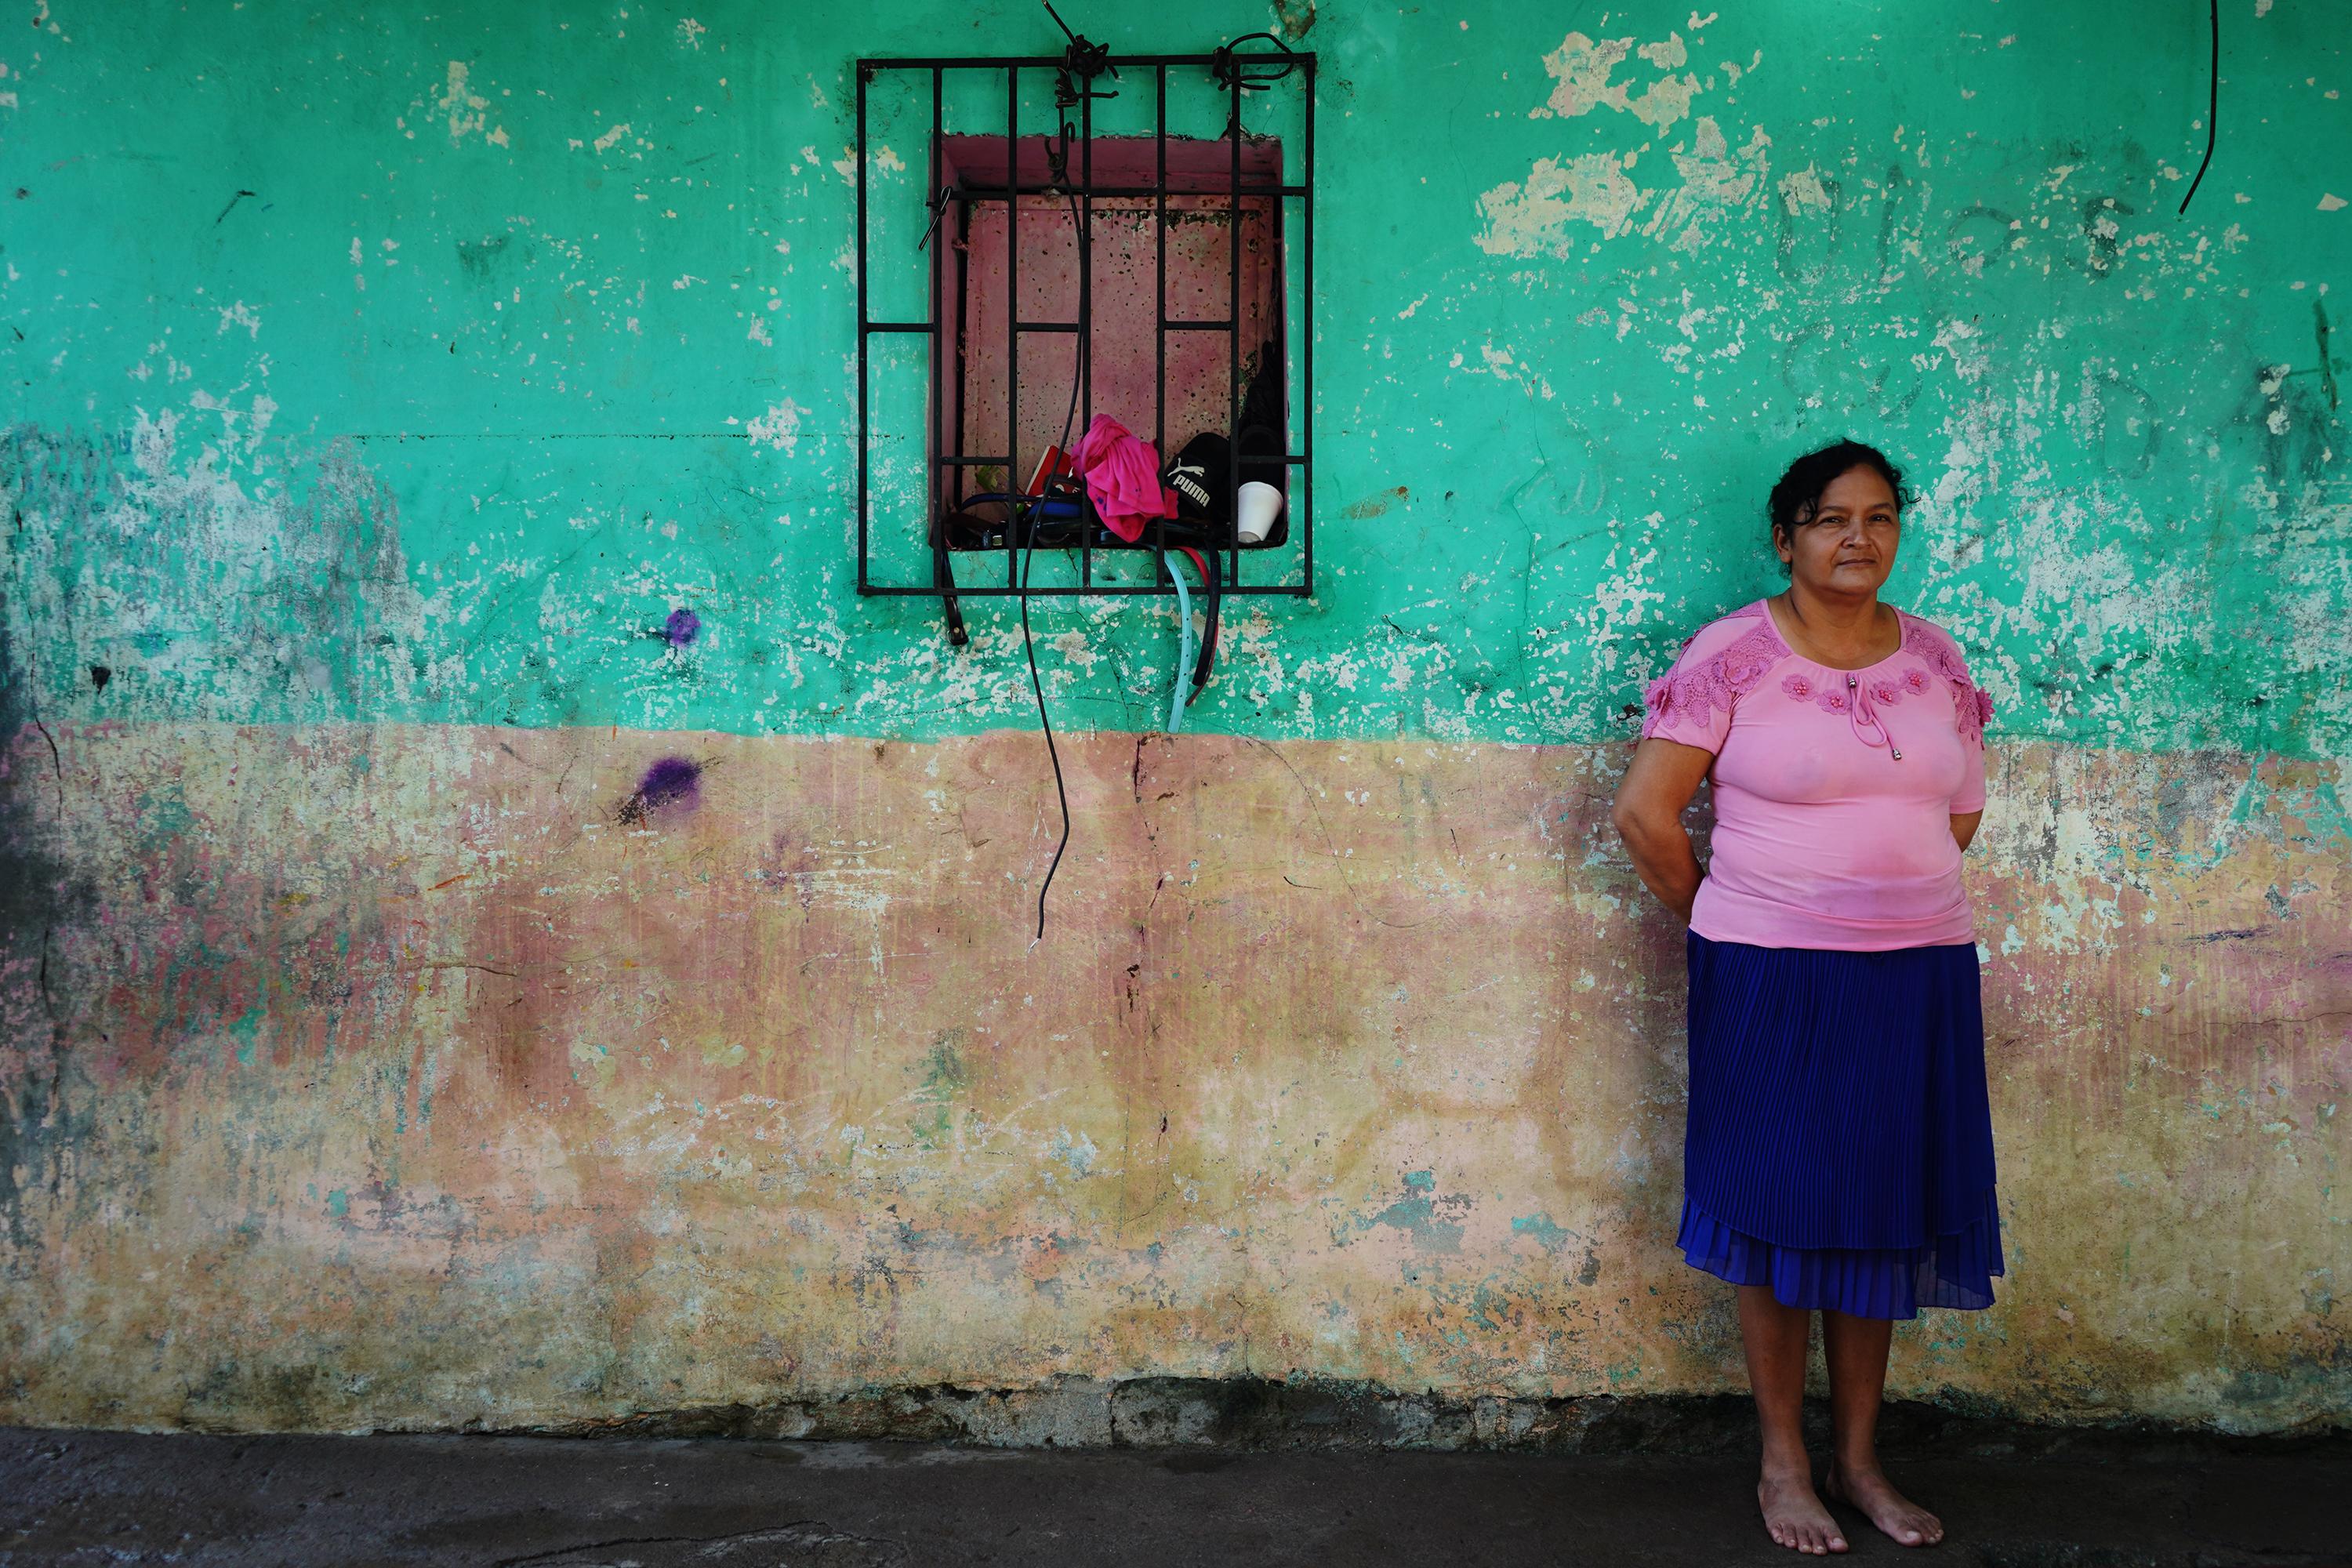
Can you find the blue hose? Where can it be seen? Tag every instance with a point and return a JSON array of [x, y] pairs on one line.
[[1184, 645]]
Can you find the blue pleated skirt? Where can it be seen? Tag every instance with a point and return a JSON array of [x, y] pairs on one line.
[[1840, 1141]]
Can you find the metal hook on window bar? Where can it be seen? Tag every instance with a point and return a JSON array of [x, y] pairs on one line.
[[1057, 158], [939, 211]]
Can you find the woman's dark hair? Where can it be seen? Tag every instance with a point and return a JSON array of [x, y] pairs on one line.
[[1798, 494]]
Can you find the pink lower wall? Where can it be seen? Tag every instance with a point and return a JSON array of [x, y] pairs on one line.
[[445, 1077]]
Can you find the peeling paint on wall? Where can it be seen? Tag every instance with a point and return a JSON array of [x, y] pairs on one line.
[[214, 594]]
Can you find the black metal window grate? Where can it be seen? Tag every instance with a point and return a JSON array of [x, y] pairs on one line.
[[958, 343]]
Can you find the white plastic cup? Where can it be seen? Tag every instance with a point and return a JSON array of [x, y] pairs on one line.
[[1260, 504]]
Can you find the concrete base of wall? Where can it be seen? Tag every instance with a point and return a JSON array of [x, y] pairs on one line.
[[1262, 1415]]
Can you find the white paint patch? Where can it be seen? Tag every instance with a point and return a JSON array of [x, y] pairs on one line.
[[1536, 216], [466, 107], [1803, 192], [780, 426], [690, 33], [1581, 68], [1533, 218], [605, 143], [1716, 181], [1966, 345], [2331, 203], [1668, 55]]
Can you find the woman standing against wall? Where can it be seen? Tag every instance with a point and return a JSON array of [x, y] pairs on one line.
[[1840, 1156]]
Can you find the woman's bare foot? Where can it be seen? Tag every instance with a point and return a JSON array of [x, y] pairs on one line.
[[1869, 1490], [1794, 1514]]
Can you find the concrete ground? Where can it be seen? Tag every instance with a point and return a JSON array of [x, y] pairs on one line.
[[102, 1498]]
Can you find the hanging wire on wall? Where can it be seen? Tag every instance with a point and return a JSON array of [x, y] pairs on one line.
[[2213, 101], [1084, 61]]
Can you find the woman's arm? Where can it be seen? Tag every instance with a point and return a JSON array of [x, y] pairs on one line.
[[1648, 813], [1964, 825]]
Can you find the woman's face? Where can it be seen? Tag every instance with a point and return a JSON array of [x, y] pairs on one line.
[[1846, 549]]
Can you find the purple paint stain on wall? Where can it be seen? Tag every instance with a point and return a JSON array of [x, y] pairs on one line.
[[682, 628], [671, 782]]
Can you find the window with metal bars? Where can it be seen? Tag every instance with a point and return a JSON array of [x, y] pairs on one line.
[[1044, 239]]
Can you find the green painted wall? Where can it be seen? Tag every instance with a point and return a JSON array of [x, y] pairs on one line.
[[413, 363]]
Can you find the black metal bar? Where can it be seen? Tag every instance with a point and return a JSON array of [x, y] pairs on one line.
[[1031, 62], [1160, 293], [1234, 344], [863, 499], [963, 329], [950, 468], [1082, 342], [1161, 588], [935, 492], [1278, 340], [996, 193], [1011, 311], [958, 634], [1306, 514]]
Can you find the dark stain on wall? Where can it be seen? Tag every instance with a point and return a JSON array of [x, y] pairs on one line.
[[673, 784], [42, 895]]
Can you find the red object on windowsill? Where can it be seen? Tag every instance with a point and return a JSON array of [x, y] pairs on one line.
[[1055, 461]]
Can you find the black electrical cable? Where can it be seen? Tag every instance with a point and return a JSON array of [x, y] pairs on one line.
[[1061, 791], [2212, 103], [1029, 546]]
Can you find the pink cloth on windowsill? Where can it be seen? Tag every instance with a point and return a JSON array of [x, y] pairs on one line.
[[1122, 475], [1834, 789]]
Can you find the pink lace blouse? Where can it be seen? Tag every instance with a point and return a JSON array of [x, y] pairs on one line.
[[1833, 789]]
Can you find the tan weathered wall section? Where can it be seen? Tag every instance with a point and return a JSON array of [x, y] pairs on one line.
[[398, 1079]]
